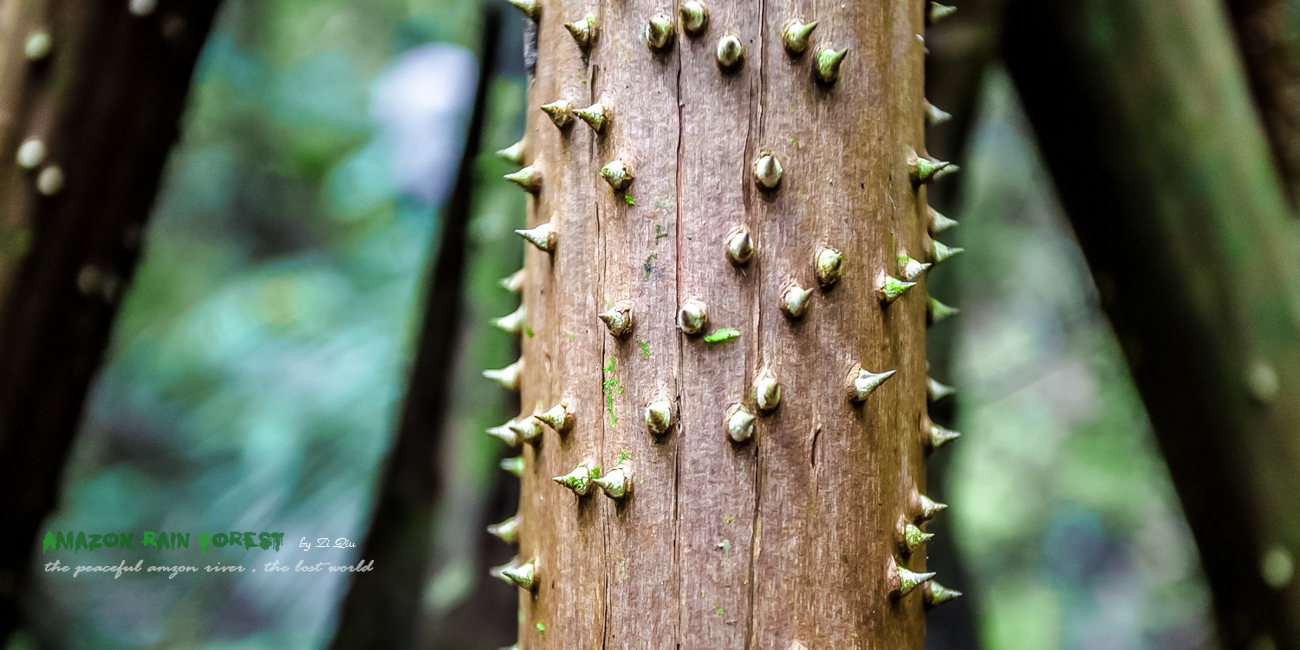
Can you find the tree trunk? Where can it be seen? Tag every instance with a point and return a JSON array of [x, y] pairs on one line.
[[789, 538], [90, 96], [1144, 117]]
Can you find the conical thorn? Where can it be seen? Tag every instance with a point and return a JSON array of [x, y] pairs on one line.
[[508, 376], [619, 319], [514, 465], [529, 178], [617, 174], [543, 237], [617, 483], [559, 417], [512, 323], [796, 36], [507, 530], [829, 62], [695, 17], [862, 383], [513, 153], [901, 581], [659, 417], [740, 423]]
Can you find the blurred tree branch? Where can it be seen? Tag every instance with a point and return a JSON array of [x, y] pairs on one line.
[[91, 94], [1145, 119], [382, 609]]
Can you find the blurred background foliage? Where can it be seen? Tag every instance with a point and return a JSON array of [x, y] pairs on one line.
[[258, 364]]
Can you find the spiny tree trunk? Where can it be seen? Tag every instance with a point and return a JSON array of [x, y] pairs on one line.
[[1144, 117], [790, 538], [90, 96]]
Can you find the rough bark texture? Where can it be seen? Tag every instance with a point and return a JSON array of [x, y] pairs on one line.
[[105, 102], [1144, 116], [782, 541], [1269, 51], [383, 608]]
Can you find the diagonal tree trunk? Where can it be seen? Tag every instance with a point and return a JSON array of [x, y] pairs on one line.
[[91, 93], [722, 519], [1145, 119]]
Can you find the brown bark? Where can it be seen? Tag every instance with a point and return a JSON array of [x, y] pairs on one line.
[[782, 541], [1144, 117], [1268, 49], [104, 102]]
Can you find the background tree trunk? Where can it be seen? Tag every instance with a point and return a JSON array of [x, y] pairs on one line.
[[383, 608], [1145, 119], [783, 541], [101, 86]]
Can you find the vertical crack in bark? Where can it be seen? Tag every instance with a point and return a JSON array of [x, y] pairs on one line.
[[681, 349], [754, 540]]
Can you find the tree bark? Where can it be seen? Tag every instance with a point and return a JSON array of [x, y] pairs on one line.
[[1269, 52], [784, 540], [1145, 120], [100, 87]]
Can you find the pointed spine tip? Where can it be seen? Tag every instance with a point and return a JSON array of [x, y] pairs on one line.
[[740, 423], [829, 62], [543, 237], [828, 266], [767, 392], [559, 417], [928, 508], [740, 246], [560, 112], [580, 479], [619, 319], [934, 116], [797, 36], [506, 434], [512, 323], [693, 317], [909, 268], [937, 312], [528, 430], [938, 12], [939, 436], [618, 174], [513, 153], [617, 484], [530, 8], [941, 252], [695, 17], [507, 531], [514, 465], [583, 32], [528, 178], [936, 391], [795, 300], [936, 594], [514, 283], [522, 575], [507, 377], [938, 222], [768, 171], [594, 116], [659, 32], [659, 417], [730, 52], [892, 289], [862, 382], [902, 581]]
